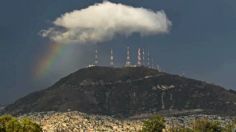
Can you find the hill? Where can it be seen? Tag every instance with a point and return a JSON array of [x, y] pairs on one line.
[[127, 91], [74, 121]]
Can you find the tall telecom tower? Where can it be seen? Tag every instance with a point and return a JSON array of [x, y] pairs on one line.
[[143, 57], [96, 57], [111, 58], [128, 63], [148, 59], [139, 57]]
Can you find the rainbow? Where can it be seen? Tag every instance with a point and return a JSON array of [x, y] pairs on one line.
[[47, 61]]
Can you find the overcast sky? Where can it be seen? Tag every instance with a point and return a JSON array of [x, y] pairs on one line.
[[200, 40]]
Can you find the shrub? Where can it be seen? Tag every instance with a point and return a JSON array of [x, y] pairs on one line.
[[13, 126], [180, 129], [4, 121], [230, 127], [28, 125], [204, 125], [9, 123], [154, 124]]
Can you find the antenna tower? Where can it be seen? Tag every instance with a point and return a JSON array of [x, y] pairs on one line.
[[139, 57], [143, 55], [96, 57], [128, 63], [148, 59], [112, 58]]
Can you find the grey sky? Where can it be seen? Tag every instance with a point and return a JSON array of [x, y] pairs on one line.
[[201, 42]]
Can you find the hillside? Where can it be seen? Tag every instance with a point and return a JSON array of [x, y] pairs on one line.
[[127, 92], [78, 122], [74, 121]]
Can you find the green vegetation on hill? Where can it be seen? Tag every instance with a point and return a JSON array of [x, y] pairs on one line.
[[204, 125], [154, 124], [9, 123], [157, 124]]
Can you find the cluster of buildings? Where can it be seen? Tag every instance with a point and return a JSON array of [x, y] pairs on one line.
[[142, 59]]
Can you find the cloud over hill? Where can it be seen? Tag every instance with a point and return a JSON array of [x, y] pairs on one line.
[[102, 21]]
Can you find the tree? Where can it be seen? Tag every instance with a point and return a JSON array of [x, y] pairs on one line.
[[28, 125], [9, 123], [154, 124], [14, 126], [3, 122]]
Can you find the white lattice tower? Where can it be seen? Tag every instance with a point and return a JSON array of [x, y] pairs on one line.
[[128, 63], [112, 58], [143, 57], [96, 57], [148, 59], [139, 57]]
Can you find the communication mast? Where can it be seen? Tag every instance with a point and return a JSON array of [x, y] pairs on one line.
[[148, 59], [139, 57], [96, 58], [152, 63], [111, 58], [143, 57], [128, 63]]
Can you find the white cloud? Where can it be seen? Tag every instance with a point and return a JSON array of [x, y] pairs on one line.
[[101, 22]]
